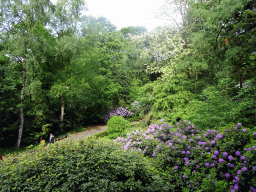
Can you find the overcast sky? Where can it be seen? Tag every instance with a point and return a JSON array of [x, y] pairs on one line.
[[124, 13]]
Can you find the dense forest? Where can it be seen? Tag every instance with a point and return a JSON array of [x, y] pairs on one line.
[[60, 69]]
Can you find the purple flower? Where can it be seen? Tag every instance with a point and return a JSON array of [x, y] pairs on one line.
[[170, 126], [231, 165], [220, 160], [254, 168], [187, 163], [225, 154], [212, 164], [239, 172], [237, 178], [162, 119], [232, 190], [234, 181], [176, 167], [216, 152], [189, 122], [238, 153], [239, 124], [227, 175], [242, 157], [244, 169], [188, 152], [214, 182], [230, 158], [184, 176], [235, 128], [214, 157], [244, 130], [185, 121], [197, 166], [236, 187], [153, 154], [207, 164], [189, 147], [249, 149]]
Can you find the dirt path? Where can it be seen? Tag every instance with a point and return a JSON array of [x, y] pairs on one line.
[[92, 130], [89, 131]]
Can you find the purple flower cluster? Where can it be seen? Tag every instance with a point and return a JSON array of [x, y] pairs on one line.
[[183, 146], [120, 111]]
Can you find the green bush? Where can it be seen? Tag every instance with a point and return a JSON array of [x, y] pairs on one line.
[[90, 165], [117, 126]]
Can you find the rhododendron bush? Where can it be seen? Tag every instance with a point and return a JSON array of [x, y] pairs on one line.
[[225, 157]]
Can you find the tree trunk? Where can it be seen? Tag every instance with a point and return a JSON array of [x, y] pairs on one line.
[[21, 107], [62, 114], [241, 81]]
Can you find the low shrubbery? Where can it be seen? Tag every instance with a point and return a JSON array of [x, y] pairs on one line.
[[117, 126], [161, 158], [91, 165]]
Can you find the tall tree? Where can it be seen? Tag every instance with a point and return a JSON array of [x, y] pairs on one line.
[[20, 19], [64, 22]]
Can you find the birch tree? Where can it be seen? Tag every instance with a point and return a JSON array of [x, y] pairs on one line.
[[20, 18]]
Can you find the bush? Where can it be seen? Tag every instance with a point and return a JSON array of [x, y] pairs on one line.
[[117, 126], [90, 165], [199, 160], [120, 111]]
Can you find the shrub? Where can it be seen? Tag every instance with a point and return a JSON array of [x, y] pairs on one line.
[[90, 165], [188, 156], [120, 111], [117, 126]]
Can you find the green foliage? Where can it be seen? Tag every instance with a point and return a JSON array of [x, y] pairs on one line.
[[45, 131], [117, 126], [211, 111], [90, 165]]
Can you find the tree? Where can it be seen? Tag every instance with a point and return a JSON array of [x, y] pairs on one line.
[[21, 19], [64, 22], [133, 30]]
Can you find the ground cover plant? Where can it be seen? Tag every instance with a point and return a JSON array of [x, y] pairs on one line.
[[192, 159]]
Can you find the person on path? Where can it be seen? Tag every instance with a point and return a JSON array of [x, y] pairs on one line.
[[51, 138]]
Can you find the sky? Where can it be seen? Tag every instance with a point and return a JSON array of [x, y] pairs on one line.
[[124, 13]]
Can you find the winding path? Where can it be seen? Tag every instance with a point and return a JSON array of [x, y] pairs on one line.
[[89, 131], [92, 130]]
